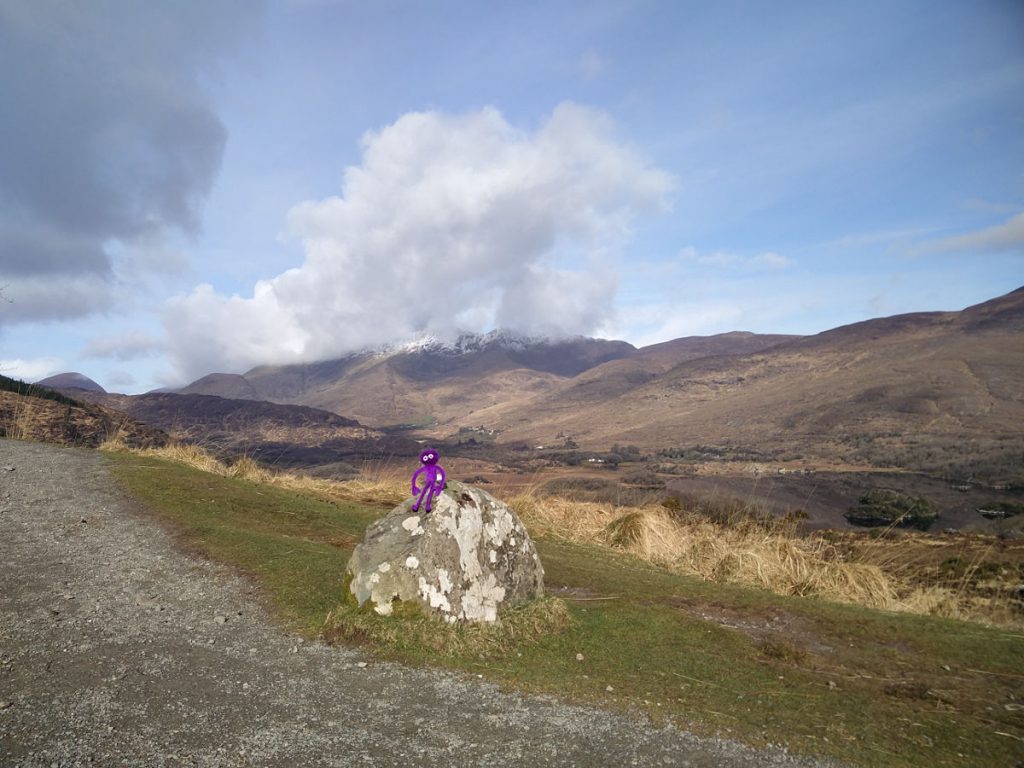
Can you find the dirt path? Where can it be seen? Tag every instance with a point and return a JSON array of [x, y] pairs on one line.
[[117, 649]]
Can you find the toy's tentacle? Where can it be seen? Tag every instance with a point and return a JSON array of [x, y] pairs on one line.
[[416, 474], [419, 501]]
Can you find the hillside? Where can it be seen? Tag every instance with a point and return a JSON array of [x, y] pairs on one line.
[[281, 434], [438, 384], [429, 383], [616, 377], [924, 390], [937, 392], [31, 412]]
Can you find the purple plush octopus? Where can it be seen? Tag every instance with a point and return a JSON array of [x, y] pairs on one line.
[[433, 481]]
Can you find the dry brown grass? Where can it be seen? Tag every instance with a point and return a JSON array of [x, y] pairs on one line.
[[747, 554], [773, 558], [18, 415], [25, 417], [382, 488], [966, 576], [877, 574]]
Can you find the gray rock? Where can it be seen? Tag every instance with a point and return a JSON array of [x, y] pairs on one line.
[[8, 467], [463, 561]]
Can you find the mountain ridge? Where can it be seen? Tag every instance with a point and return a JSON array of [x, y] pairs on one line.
[[842, 393], [939, 383], [927, 390]]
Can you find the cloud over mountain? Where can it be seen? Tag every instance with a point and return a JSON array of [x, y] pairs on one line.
[[108, 141], [1007, 236], [449, 222]]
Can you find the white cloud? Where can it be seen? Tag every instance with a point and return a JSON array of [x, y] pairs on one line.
[[877, 237], [1008, 236], [448, 219], [657, 322], [727, 260], [114, 143], [120, 378], [770, 260], [591, 65], [32, 369], [126, 346], [41, 297]]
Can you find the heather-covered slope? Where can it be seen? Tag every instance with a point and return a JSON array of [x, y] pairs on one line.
[[276, 433], [938, 391], [31, 412], [932, 388], [428, 383]]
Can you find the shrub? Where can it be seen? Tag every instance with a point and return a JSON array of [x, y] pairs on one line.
[[1001, 509], [891, 508], [672, 504]]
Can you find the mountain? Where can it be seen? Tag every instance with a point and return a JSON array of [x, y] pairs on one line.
[[928, 390], [72, 380], [285, 435], [426, 383], [617, 377], [228, 385], [937, 391]]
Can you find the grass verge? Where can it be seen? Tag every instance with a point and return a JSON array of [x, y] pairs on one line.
[[867, 687]]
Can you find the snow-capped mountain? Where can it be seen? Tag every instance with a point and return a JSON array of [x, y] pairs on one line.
[[466, 343], [421, 380]]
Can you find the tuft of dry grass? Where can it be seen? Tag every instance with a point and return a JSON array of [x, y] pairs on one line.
[[750, 555], [967, 576], [889, 575]]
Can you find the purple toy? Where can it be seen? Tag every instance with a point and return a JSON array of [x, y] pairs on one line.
[[434, 481]]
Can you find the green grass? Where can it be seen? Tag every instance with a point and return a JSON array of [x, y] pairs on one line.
[[295, 546], [867, 687]]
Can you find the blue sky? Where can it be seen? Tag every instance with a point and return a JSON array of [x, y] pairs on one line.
[[190, 187]]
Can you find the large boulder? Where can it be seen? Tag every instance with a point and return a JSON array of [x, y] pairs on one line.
[[463, 561]]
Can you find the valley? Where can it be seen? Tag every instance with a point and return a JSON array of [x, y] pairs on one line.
[[725, 469], [929, 405]]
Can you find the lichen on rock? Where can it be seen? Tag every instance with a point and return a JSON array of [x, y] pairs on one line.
[[464, 561]]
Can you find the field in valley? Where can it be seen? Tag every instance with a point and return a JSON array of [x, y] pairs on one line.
[[775, 642]]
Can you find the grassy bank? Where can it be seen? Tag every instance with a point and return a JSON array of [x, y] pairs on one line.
[[865, 686]]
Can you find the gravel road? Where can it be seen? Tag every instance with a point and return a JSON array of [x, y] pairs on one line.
[[118, 649]]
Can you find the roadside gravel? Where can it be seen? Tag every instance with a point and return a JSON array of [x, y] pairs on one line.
[[118, 649]]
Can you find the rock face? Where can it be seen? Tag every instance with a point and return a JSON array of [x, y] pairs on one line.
[[462, 562]]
